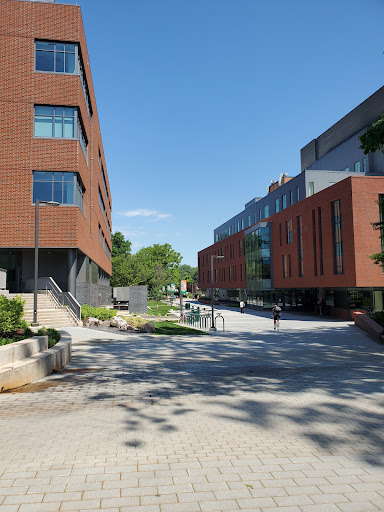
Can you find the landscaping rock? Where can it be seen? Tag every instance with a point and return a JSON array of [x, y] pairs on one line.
[[148, 327], [105, 323], [119, 322], [92, 321]]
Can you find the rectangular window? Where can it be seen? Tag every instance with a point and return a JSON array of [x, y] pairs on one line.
[[300, 246], [230, 251], [238, 226], [266, 211], [242, 223], [357, 166], [229, 274], [337, 237], [314, 242], [260, 214], [364, 165], [229, 231], [217, 237], [241, 272], [277, 205], [289, 266], [61, 123], [297, 194], [249, 221], [346, 169], [320, 242], [291, 197], [62, 187], [55, 57], [311, 188], [280, 235], [284, 201], [285, 268], [105, 185], [240, 248], [288, 226], [102, 208], [225, 233]]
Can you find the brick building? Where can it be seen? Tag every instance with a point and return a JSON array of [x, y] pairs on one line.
[[309, 239], [51, 149]]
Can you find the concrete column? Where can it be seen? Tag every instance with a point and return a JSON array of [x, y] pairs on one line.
[[72, 271], [378, 301]]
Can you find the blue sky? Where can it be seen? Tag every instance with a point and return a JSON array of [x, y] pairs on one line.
[[203, 102]]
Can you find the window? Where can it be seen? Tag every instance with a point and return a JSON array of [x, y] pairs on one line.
[[314, 242], [266, 211], [277, 205], [225, 233], [289, 266], [241, 272], [260, 214], [103, 210], [229, 231], [288, 225], [229, 274], [242, 223], [346, 169], [320, 241], [285, 268], [249, 221], [280, 236], [364, 165], [60, 122], [337, 237], [105, 185], [291, 197], [311, 188], [297, 194], [62, 187], [56, 57], [300, 246], [240, 248], [357, 166], [284, 201], [217, 237], [238, 226]]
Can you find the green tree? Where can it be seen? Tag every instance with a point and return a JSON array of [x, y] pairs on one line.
[[188, 273], [373, 138], [120, 246], [378, 258]]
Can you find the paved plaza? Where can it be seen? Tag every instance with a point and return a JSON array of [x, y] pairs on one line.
[[248, 419]]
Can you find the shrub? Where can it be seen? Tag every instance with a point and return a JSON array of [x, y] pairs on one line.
[[135, 321], [53, 335], [377, 317], [99, 313], [11, 313]]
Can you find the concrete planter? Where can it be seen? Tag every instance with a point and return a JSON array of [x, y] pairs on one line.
[[29, 360]]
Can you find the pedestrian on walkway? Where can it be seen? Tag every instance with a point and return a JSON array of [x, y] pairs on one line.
[[242, 306], [276, 313]]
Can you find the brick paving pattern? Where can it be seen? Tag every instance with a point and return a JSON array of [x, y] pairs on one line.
[[246, 420]]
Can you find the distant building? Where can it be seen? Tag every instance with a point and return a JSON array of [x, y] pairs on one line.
[[309, 239], [51, 149]]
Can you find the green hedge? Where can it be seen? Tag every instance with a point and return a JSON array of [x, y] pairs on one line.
[[377, 317], [53, 335], [11, 314], [99, 313]]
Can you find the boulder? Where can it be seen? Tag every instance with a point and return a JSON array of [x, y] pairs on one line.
[[118, 322], [105, 323], [148, 327], [91, 321]]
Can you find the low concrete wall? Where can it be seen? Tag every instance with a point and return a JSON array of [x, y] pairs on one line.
[[29, 363], [366, 324]]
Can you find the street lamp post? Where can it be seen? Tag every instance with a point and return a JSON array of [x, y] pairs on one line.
[[213, 328], [37, 205]]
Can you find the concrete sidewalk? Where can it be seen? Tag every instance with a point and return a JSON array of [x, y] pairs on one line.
[[248, 419]]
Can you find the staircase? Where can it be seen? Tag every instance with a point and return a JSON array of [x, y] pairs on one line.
[[49, 313]]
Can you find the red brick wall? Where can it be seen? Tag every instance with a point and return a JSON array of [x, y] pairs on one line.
[[20, 89], [234, 262]]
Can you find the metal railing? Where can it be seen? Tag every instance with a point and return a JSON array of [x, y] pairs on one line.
[[63, 299]]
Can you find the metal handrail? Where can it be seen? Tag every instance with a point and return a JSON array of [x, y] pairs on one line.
[[63, 298]]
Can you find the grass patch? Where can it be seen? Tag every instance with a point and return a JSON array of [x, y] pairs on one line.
[[173, 328], [163, 309]]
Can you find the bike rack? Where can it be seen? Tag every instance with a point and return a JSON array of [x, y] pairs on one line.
[[219, 315]]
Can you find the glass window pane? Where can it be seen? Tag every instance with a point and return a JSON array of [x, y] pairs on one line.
[[59, 47], [69, 62], [69, 127], [43, 126], [59, 111], [42, 191], [68, 193], [44, 61], [58, 192], [59, 62], [42, 176], [42, 110], [43, 45], [58, 127], [70, 112], [70, 48], [58, 176], [68, 177]]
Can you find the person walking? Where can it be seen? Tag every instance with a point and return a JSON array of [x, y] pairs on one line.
[[242, 306], [276, 313]]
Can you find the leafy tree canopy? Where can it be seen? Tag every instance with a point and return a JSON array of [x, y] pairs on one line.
[[373, 138], [120, 246]]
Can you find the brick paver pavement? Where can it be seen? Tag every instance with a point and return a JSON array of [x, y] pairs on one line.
[[248, 420]]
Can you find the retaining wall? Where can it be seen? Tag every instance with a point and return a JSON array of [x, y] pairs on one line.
[[29, 360], [366, 324]]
